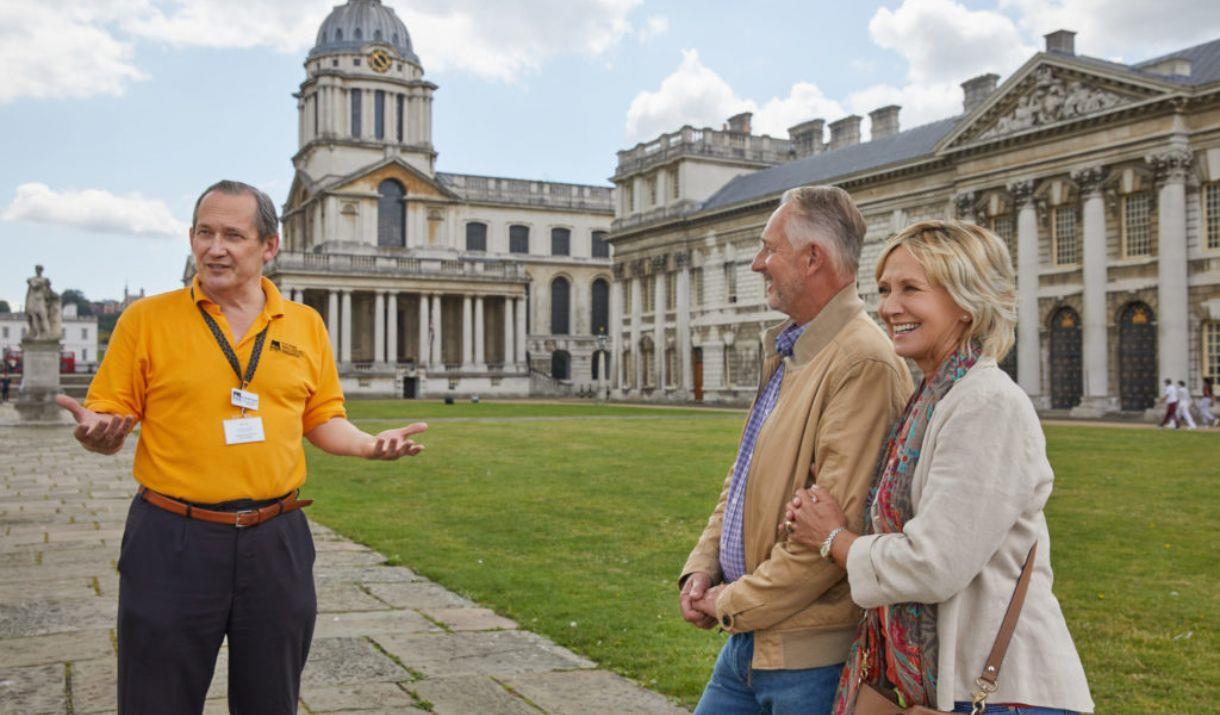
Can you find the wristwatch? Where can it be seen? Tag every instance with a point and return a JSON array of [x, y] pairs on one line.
[[830, 539]]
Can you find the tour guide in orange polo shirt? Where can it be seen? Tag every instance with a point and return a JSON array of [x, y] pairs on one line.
[[224, 376]]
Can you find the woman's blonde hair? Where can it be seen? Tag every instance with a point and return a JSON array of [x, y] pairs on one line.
[[972, 264]]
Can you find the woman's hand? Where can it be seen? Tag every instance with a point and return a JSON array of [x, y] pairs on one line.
[[812, 515]]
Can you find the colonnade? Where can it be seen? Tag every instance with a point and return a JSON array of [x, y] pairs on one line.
[[430, 324], [660, 328]]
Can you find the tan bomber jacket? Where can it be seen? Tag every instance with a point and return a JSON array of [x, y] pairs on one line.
[[842, 389]]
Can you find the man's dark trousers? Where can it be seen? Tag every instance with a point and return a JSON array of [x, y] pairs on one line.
[[185, 584]]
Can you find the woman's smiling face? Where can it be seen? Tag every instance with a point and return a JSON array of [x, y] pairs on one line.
[[922, 319]]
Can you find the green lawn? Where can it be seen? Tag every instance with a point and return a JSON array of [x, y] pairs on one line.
[[575, 524]]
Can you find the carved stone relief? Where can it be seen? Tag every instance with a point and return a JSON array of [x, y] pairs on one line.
[[1050, 100]]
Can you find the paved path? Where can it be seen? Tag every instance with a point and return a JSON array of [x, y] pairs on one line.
[[387, 640]]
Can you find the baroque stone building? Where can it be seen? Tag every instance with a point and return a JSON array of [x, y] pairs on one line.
[[1103, 178], [431, 283]]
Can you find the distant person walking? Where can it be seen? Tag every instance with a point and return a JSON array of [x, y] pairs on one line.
[[1184, 406], [1171, 405], [5, 382], [1205, 404]]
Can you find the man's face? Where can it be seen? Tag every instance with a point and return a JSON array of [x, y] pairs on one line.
[[782, 266], [224, 242]]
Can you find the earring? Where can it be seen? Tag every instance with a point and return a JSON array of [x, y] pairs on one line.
[[965, 318]]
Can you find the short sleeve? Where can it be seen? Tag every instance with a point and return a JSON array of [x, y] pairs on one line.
[[121, 381], [326, 402]]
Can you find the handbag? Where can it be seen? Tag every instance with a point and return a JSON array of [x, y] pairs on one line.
[[872, 701]]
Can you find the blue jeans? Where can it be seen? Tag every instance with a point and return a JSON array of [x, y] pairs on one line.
[[965, 708], [736, 688]]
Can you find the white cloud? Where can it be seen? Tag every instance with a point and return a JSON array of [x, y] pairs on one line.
[[941, 39], [654, 26], [694, 94], [94, 210], [283, 25], [62, 50], [1129, 30], [921, 103]]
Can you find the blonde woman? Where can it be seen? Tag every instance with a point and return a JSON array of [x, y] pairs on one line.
[[958, 501]]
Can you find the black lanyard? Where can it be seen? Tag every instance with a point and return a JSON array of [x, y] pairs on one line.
[[227, 349]]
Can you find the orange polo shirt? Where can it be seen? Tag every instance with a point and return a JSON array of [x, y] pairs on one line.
[[164, 367]]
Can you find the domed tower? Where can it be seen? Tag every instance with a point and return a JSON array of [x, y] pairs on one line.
[[365, 98]]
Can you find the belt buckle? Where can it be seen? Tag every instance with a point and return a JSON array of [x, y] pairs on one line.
[[238, 516]]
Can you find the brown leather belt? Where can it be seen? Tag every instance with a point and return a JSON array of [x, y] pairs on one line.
[[239, 519]]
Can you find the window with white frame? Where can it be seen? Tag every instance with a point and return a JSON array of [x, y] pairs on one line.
[[671, 291], [1211, 349], [730, 282], [1005, 228], [647, 286], [675, 188], [730, 361], [1211, 213], [1137, 224], [651, 184], [696, 276], [1065, 242]]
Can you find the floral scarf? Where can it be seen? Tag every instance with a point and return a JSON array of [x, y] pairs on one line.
[[895, 648]]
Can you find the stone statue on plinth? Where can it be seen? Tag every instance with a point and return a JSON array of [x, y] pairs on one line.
[[42, 308], [40, 350]]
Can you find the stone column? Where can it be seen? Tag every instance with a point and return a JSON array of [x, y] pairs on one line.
[[467, 342], [332, 320], [345, 343], [1096, 400], [658, 321], [1029, 352], [616, 333], [637, 317], [480, 352], [1173, 347], [391, 341], [686, 381], [379, 326], [436, 330], [423, 331], [521, 340], [508, 325]]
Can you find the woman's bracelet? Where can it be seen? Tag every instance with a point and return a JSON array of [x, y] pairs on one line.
[[830, 539]]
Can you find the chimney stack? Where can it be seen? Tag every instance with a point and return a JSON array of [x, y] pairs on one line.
[[807, 138], [740, 123], [883, 122], [845, 131], [976, 91], [1061, 41]]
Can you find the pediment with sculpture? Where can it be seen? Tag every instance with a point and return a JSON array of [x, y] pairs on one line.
[[1050, 95]]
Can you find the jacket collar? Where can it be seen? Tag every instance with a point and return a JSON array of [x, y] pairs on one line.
[[821, 330]]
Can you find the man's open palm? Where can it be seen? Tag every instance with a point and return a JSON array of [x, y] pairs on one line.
[[98, 432]]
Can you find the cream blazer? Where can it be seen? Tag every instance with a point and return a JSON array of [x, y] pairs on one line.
[[979, 489]]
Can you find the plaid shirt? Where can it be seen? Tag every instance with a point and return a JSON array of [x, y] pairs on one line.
[[732, 539]]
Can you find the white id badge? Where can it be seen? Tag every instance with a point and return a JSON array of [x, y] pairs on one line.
[[244, 399], [243, 430]]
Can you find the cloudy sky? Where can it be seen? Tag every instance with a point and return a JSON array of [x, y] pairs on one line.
[[115, 113]]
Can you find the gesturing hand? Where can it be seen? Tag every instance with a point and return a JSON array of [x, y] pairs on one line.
[[97, 432], [693, 589], [395, 443]]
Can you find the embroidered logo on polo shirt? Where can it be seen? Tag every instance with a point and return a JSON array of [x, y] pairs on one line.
[[287, 348]]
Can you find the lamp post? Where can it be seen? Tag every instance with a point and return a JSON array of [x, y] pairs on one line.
[[601, 373]]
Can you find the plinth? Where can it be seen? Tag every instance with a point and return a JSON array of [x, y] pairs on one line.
[[39, 382]]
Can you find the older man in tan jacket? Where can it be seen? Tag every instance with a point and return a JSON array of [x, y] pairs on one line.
[[831, 387]]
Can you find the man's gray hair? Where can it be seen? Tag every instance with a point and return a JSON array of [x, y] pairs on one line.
[[265, 219], [827, 213]]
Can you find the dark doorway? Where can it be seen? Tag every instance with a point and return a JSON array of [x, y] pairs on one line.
[[561, 365], [1066, 383], [1137, 365], [696, 360], [410, 387]]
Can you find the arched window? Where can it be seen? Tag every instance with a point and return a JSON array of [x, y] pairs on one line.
[[561, 241], [339, 35], [601, 307], [394, 38], [560, 302], [476, 236], [561, 363], [518, 239], [601, 249], [356, 104], [391, 214], [379, 114], [377, 35], [359, 34]]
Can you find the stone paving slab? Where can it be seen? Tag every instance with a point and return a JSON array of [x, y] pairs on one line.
[[386, 640]]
